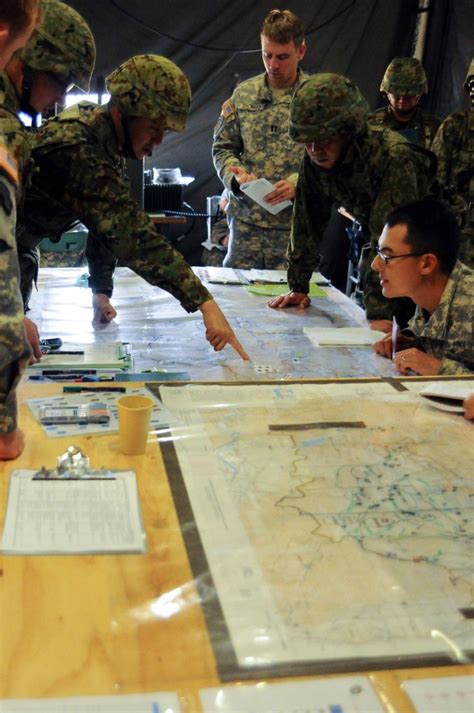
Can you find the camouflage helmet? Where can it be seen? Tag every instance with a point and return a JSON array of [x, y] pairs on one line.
[[63, 45], [469, 75], [405, 76], [153, 87], [327, 105]]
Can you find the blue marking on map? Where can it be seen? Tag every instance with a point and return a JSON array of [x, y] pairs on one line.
[[335, 709], [313, 442]]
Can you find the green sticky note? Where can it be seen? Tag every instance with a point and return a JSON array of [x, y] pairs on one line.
[[276, 290]]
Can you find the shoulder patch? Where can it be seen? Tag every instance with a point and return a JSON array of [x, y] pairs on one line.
[[8, 165], [228, 109]]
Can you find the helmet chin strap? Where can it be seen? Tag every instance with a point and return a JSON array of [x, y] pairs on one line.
[[128, 151], [25, 98]]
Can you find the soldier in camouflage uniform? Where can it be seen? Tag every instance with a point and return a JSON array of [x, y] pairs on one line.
[[404, 83], [59, 54], [17, 22], [251, 141], [80, 156], [366, 171], [417, 258], [454, 147]]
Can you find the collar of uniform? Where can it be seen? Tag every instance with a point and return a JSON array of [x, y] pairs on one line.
[[265, 93], [439, 318]]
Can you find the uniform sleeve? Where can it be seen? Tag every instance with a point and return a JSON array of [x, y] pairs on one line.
[[406, 178], [311, 213], [443, 146], [14, 350], [100, 198], [227, 145]]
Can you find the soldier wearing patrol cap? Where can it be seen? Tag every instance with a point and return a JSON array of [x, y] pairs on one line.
[[347, 163], [80, 156], [18, 19], [60, 53], [404, 83], [454, 147]]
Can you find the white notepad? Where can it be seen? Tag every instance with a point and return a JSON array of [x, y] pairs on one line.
[[72, 516], [343, 336], [134, 703]]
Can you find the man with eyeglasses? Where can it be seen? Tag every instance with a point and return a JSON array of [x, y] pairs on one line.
[[251, 141], [59, 54], [417, 258]]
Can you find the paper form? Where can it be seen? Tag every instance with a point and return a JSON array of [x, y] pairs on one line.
[[72, 516], [137, 703], [453, 694], [278, 276], [105, 355], [351, 694]]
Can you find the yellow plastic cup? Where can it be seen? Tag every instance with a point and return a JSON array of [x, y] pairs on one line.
[[134, 414]]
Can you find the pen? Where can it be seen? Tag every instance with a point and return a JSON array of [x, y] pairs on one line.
[[63, 351], [76, 389], [395, 333]]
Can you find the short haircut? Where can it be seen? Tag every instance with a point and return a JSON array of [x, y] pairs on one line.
[[282, 27], [17, 14], [432, 227]]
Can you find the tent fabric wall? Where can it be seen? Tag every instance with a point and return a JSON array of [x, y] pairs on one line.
[[354, 37]]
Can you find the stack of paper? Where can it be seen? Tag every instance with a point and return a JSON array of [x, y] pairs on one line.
[[343, 336]]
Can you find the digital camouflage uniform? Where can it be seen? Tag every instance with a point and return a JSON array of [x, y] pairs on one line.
[[448, 333], [14, 350], [63, 46], [81, 177], [454, 147], [385, 172], [252, 133], [405, 76], [420, 129]]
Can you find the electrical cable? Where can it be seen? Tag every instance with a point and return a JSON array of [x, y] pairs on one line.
[[221, 49]]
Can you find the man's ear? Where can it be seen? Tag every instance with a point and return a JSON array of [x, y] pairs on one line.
[[429, 264], [3, 33]]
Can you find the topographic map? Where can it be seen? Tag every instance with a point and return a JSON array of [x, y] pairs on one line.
[[336, 520]]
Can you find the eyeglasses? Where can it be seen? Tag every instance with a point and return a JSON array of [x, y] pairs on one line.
[[386, 258]]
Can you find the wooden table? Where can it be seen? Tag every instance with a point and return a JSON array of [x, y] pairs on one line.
[[95, 625]]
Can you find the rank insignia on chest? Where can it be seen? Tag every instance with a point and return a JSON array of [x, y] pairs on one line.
[[228, 109]]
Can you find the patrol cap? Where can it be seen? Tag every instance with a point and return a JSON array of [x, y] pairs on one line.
[[62, 44], [405, 76], [153, 87], [327, 105], [469, 75]]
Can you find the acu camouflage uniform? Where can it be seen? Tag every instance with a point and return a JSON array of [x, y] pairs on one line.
[[454, 147], [406, 76], [14, 350], [384, 173], [252, 133], [448, 333], [81, 176]]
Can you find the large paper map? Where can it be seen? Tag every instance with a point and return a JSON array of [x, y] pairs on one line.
[[335, 520]]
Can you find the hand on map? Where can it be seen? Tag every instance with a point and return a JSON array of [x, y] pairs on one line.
[[417, 361], [218, 330], [103, 310], [32, 335], [291, 299]]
